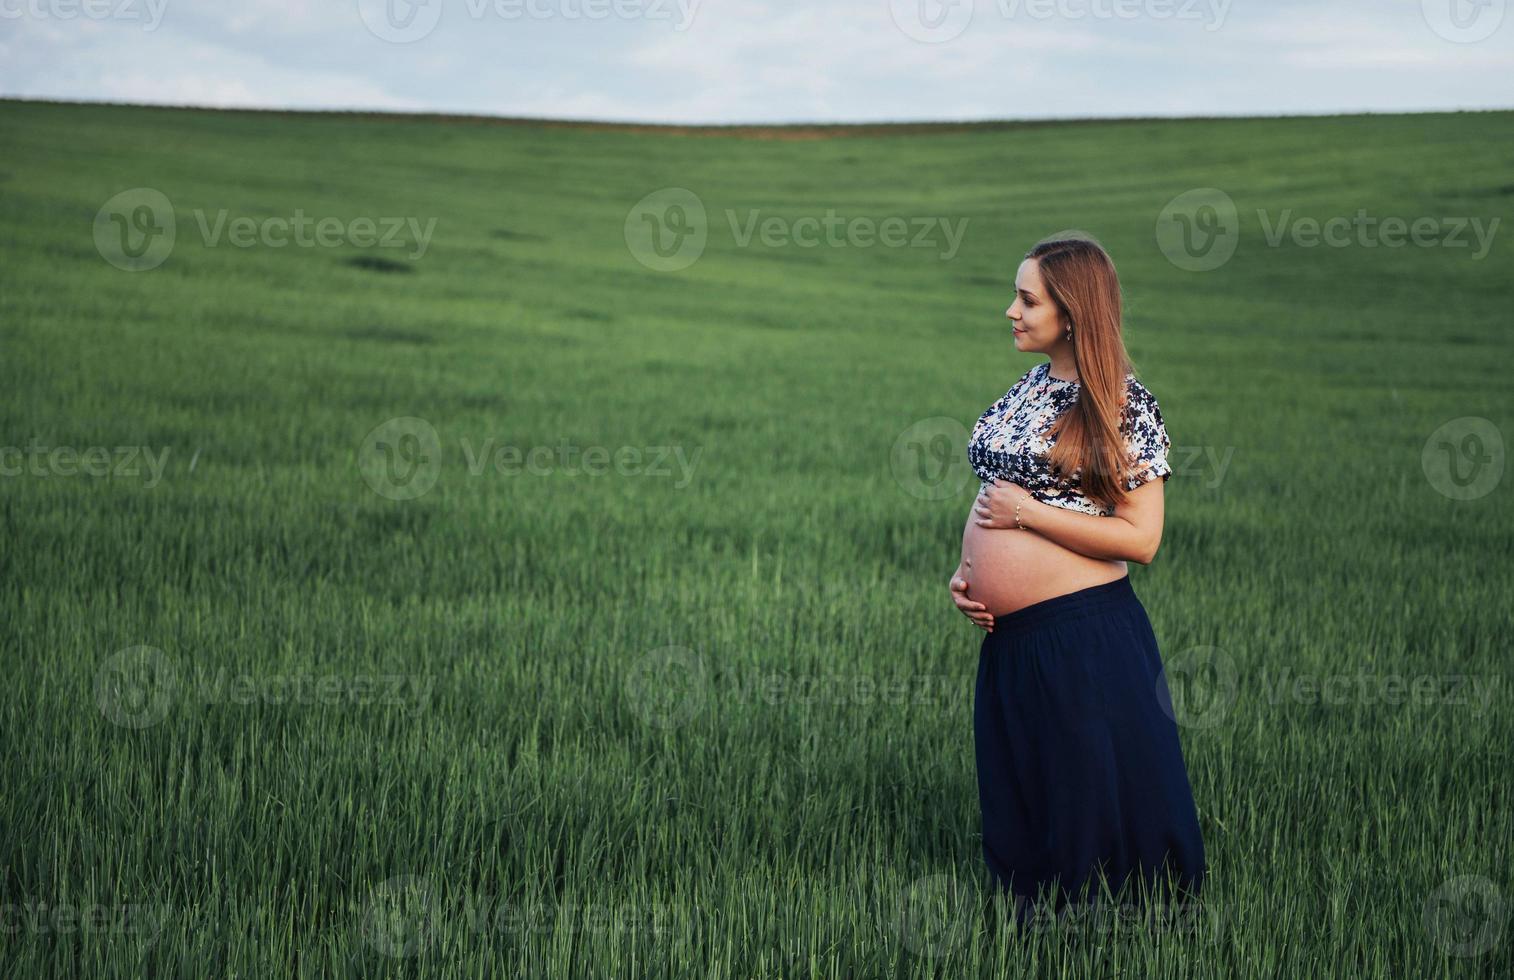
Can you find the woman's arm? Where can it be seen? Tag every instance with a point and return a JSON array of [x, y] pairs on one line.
[[1132, 533]]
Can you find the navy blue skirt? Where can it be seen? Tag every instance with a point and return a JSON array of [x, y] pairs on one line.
[[1081, 777]]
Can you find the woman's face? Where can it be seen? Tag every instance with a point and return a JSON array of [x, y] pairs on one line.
[[1037, 321]]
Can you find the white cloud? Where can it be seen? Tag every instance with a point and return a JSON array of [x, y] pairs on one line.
[[89, 62]]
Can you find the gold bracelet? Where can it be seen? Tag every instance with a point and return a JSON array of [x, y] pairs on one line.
[[1017, 512]]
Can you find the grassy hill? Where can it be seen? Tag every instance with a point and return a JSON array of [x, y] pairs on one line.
[[294, 686]]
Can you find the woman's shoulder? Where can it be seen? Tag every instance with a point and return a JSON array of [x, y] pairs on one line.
[[1140, 403], [1137, 392]]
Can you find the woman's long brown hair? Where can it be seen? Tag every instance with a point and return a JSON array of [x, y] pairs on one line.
[[1080, 277]]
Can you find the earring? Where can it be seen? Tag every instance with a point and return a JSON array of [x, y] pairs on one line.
[[1069, 332]]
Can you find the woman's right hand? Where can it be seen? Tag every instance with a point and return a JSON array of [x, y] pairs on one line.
[[975, 611]]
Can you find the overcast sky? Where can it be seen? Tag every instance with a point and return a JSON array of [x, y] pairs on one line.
[[725, 61]]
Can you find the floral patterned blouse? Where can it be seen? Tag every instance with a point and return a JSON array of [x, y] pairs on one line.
[[1008, 442]]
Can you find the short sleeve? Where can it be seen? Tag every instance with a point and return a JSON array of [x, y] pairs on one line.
[[1146, 436]]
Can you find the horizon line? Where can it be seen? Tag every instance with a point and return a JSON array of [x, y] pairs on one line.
[[795, 126]]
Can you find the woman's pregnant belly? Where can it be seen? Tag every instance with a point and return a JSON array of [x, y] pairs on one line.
[[1008, 569]]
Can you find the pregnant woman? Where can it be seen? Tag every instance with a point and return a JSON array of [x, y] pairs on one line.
[[1080, 773]]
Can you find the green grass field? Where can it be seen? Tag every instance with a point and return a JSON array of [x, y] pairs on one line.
[[697, 703]]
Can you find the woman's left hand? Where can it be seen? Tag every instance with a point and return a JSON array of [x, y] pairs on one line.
[[995, 506]]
